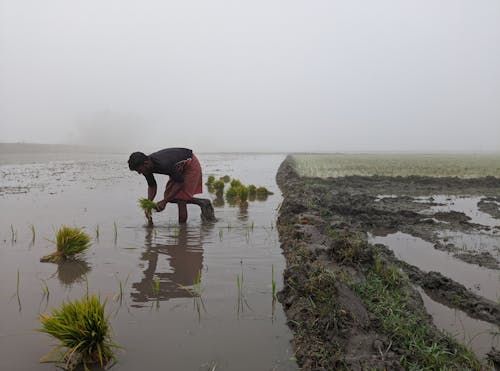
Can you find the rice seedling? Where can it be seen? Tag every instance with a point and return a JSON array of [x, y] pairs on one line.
[[219, 188], [252, 190], [115, 228], [262, 193], [225, 178], [69, 242], [196, 291], [242, 193], [273, 283], [13, 234], [45, 288], [274, 297], [97, 232], [242, 301], [210, 180], [121, 284], [83, 331], [17, 289], [235, 183], [155, 286], [33, 234], [231, 194], [147, 206], [221, 234]]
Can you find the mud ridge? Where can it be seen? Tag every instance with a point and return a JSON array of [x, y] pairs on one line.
[[323, 226]]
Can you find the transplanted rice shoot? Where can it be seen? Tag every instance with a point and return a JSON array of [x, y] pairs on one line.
[[69, 242], [148, 206], [83, 331], [219, 188]]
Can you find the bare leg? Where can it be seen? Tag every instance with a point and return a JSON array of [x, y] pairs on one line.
[[207, 210], [183, 214]]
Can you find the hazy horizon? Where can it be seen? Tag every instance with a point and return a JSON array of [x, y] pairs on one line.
[[273, 76]]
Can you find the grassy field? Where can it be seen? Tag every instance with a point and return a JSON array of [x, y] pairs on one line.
[[435, 165]]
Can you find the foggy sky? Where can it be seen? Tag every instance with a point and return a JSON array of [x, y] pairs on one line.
[[312, 75]]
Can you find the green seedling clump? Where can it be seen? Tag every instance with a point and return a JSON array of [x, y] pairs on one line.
[[83, 329], [263, 191], [219, 187], [148, 206], [210, 180], [235, 183], [225, 178], [242, 193], [69, 242], [231, 193], [252, 190]]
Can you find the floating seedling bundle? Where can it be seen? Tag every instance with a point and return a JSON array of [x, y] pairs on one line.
[[148, 206], [83, 330], [69, 242]]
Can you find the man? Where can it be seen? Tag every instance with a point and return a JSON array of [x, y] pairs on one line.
[[184, 170]]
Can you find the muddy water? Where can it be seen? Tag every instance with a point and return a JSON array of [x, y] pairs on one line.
[[465, 204], [164, 318], [478, 335], [422, 254]]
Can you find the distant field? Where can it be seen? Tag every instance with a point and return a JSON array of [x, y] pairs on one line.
[[435, 165]]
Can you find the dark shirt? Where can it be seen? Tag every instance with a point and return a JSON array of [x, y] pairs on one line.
[[164, 162]]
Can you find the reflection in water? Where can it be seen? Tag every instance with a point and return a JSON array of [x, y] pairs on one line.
[[218, 201], [184, 254], [71, 271]]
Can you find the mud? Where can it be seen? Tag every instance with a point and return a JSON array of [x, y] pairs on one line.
[[314, 208]]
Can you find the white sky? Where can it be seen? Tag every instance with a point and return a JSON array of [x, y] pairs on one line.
[[259, 75]]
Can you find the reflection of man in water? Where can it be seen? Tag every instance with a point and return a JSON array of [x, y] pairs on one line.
[[184, 170], [186, 258]]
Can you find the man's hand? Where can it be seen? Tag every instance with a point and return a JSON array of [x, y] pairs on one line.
[[160, 206]]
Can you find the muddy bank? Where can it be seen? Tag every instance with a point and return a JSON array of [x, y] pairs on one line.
[[341, 292]]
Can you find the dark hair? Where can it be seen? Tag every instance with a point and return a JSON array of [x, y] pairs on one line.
[[136, 159]]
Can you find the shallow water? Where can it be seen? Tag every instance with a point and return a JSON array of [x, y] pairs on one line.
[[165, 328], [463, 204], [479, 336], [422, 254]]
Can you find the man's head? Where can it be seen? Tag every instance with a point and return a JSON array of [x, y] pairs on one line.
[[139, 162]]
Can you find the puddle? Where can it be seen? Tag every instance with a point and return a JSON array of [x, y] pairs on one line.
[[479, 336], [466, 205], [179, 306], [473, 242], [422, 254]]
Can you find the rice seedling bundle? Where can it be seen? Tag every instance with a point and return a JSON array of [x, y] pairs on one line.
[[69, 242], [225, 178], [148, 206], [83, 331], [210, 180], [219, 187]]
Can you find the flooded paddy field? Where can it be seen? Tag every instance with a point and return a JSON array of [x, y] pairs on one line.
[[422, 231], [193, 297]]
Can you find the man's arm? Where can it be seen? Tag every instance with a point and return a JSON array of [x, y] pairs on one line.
[[151, 192], [151, 186]]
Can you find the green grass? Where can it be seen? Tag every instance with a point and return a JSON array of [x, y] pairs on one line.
[[433, 165], [83, 331], [69, 242], [384, 293]]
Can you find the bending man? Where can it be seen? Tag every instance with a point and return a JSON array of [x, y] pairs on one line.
[[184, 170]]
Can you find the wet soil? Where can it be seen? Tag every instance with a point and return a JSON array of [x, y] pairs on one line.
[[314, 209]]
